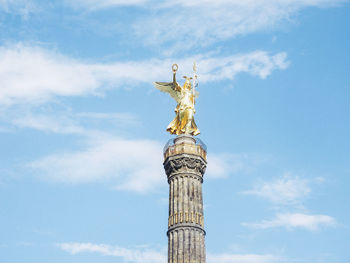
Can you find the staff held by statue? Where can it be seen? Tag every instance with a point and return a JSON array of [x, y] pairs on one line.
[[185, 96]]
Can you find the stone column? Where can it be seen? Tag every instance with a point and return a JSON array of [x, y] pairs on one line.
[[185, 164]]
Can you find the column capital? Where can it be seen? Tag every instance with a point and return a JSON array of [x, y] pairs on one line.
[[185, 164]]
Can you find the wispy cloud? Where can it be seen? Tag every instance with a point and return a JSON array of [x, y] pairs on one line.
[[48, 124], [34, 75], [94, 5], [134, 165], [5, 129], [124, 117], [287, 190], [242, 258], [67, 122], [18, 7], [128, 164], [296, 220], [184, 24], [201, 23], [153, 4], [159, 256], [128, 255], [222, 165], [180, 25]]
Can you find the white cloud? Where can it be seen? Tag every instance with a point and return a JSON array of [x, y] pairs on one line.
[[296, 220], [159, 256], [35, 75], [288, 190], [128, 255], [66, 122], [20, 7], [258, 63], [48, 124], [134, 165], [5, 129], [32, 74], [124, 117], [129, 164], [153, 4], [100, 4], [222, 165], [254, 3], [185, 24], [242, 258], [182, 25]]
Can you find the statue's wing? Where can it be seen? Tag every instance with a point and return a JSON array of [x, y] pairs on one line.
[[168, 87]]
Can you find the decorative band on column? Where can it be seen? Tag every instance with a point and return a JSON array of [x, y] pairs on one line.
[[185, 164], [186, 217], [185, 226]]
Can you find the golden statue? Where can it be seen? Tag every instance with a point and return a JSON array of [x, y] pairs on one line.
[[185, 96]]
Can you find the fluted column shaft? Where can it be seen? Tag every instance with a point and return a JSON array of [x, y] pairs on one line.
[[185, 164]]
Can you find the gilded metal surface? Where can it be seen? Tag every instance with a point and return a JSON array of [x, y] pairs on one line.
[[185, 96]]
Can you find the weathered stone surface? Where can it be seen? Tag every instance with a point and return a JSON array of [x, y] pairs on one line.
[[185, 166]]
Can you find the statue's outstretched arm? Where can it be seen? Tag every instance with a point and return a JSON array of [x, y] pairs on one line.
[[176, 85]]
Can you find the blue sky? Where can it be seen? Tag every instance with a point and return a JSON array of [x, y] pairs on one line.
[[82, 128]]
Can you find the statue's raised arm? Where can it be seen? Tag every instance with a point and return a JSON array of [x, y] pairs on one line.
[[183, 122], [173, 88]]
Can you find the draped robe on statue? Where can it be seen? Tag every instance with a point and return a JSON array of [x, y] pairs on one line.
[[183, 123]]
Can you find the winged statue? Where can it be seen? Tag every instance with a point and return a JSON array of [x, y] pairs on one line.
[[185, 96]]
